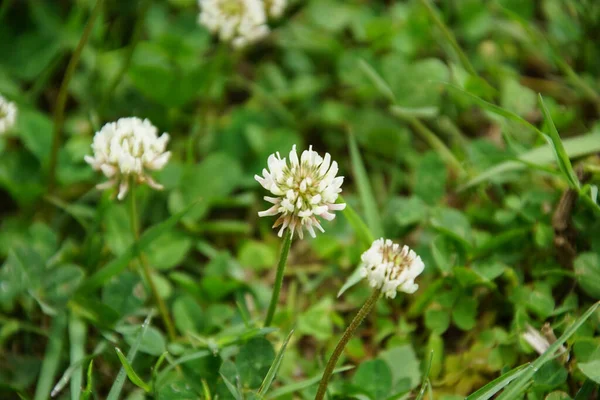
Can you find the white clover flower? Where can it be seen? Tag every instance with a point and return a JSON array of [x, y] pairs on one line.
[[125, 150], [8, 115], [275, 8], [391, 268], [541, 341], [305, 189], [239, 21]]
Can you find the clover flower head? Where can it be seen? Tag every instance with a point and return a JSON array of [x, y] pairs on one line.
[[126, 150], [391, 268], [275, 8], [8, 115], [303, 190], [239, 21], [541, 340]]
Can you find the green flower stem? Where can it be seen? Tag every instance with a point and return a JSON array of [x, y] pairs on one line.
[[360, 316], [162, 308], [285, 249], [61, 100]]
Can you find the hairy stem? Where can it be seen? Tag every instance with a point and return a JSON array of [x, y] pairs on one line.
[[162, 308], [360, 316], [285, 249], [61, 100]]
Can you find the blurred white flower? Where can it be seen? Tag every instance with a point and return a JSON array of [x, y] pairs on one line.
[[8, 115], [239, 21], [391, 268], [125, 150], [541, 341], [275, 8], [305, 189]]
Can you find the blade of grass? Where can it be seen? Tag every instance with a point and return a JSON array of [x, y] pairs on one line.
[[536, 36], [519, 384], [232, 389], [585, 393], [431, 139], [364, 188], [360, 228], [133, 376], [117, 386], [562, 157], [51, 357], [497, 384], [426, 379], [266, 383], [575, 147], [297, 386], [77, 336], [377, 80], [87, 393], [426, 134], [464, 60], [66, 377], [118, 265], [61, 100]]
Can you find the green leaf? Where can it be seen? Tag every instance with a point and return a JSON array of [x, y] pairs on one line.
[[311, 321], [587, 271], [298, 386], [364, 189], [170, 87], [153, 341], [133, 376], [257, 255], [591, 368], [254, 361], [266, 383], [374, 378], [215, 177], [519, 384], [173, 249], [453, 223], [411, 210], [120, 263], [437, 320], [551, 375], [562, 158], [188, 315], [430, 178], [464, 313], [490, 389], [406, 375]]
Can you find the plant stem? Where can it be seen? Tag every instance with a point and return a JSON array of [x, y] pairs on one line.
[[162, 308], [362, 313], [61, 100], [285, 249]]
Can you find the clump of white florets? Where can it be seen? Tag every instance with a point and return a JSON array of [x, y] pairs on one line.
[[391, 268], [239, 21], [126, 150], [305, 189], [8, 115]]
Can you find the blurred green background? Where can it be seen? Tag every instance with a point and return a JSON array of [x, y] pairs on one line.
[[435, 139]]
